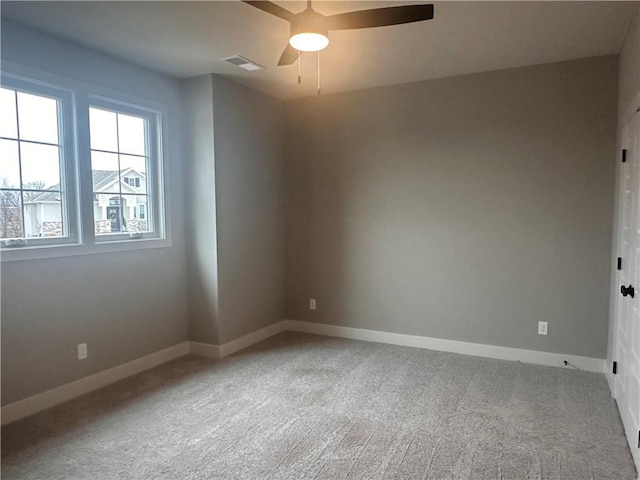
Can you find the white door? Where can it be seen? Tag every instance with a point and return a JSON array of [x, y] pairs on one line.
[[627, 380]]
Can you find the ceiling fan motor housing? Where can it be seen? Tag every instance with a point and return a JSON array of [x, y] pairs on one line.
[[309, 22]]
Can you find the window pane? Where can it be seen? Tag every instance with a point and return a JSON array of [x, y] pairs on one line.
[[38, 118], [138, 164], [105, 172], [42, 214], [40, 166], [10, 214], [9, 164], [131, 134], [103, 130], [136, 214], [8, 122]]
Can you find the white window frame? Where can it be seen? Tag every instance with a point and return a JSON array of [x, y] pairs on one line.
[[78, 170], [153, 167], [67, 141]]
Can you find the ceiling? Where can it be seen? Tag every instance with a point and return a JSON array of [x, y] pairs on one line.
[[187, 38]]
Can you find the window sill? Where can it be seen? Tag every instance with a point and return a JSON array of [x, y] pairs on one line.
[[71, 250]]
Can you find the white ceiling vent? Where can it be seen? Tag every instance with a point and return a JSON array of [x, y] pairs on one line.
[[242, 62]]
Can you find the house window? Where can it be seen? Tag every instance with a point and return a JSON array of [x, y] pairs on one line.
[[122, 155], [36, 167], [132, 181], [89, 190]]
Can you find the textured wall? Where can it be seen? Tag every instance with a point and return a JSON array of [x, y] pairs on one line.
[[124, 305], [465, 208]]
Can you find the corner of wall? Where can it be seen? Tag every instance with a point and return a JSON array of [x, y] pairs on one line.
[[201, 244]]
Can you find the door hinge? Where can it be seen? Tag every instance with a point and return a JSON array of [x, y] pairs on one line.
[[615, 368], [619, 263], [624, 155]]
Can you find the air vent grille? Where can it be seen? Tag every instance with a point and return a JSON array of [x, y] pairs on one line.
[[242, 62]]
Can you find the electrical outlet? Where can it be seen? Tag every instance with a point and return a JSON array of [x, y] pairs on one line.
[[82, 351], [543, 328], [312, 304]]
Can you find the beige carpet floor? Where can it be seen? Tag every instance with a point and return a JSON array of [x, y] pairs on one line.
[[308, 407]]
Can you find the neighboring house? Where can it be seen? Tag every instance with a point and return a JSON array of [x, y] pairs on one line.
[[112, 212]]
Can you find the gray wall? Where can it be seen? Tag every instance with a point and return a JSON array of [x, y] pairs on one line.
[[244, 223], [629, 74], [465, 208], [124, 305], [202, 255], [628, 92], [249, 132]]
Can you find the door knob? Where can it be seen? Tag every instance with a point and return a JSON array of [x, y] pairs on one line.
[[627, 291]]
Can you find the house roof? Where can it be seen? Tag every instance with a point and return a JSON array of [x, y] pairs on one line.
[[102, 176], [112, 177], [101, 179], [47, 196]]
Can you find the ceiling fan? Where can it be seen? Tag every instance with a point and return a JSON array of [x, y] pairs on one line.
[[310, 29]]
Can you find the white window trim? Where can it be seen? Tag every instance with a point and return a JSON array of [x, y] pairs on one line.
[[84, 94], [68, 172], [153, 173]]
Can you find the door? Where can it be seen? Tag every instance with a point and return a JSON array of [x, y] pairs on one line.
[[627, 380], [113, 214]]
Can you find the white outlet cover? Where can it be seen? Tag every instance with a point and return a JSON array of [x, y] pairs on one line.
[[82, 351], [543, 328], [312, 304]]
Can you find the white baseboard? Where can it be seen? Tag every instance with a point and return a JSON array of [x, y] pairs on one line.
[[610, 379], [36, 403], [226, 349], [204, 349], [23, 408], [465, 348], [50, 398], [253, 337]]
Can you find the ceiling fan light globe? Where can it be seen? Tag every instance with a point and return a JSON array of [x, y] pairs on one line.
[[309, 41]]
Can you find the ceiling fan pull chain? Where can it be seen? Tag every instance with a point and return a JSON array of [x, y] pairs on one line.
[[318, 72], [299, 60]]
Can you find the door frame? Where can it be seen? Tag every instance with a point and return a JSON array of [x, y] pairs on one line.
[[629, 112], [632, 110]]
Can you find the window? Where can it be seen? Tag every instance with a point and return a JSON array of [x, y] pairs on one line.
[[132, 181], [35, 166], [108, 193], [121, 156]]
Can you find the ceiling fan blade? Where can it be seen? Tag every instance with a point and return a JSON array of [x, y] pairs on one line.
[[380, 17], [271, 8], [289, 56]]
